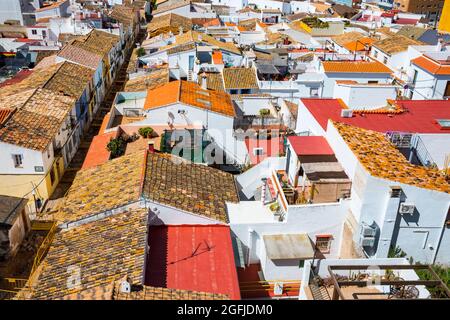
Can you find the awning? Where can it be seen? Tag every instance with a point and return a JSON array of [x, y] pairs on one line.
[[288, 246]]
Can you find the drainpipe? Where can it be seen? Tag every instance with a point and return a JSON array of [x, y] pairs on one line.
[[250, 245]]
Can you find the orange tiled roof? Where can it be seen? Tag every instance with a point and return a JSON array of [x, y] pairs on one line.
[[4, 114], [192, 94], [217, 57], [355, 67], [359, 45], [50, 6], [431, 66], [98, 153]]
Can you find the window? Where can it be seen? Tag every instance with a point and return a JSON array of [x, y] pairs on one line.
[[258, 151], [52, 176], [372, 81], [444, 123], [385, 60], [447, 89], [314, 92], [44, 34], [34, 32], [375, 54], [323, 242], [18, 160]]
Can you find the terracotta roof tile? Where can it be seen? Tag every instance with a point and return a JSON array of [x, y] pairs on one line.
[[70, 79], [107, 186], [214, 81], [192, 94], [105, 250], [35, 123], [168, 22], [240, 78], [80, 56], [355, 67], [347, 37], [148, 81], [432, 66], [383, 160], [197, 37], [155, 293], [395, 44], [190, 187]]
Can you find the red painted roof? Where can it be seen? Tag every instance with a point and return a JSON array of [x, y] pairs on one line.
[[97, 153], [192, 257], [419, 116], [406, 21], [22, 74], [310, 145], [271, 148]]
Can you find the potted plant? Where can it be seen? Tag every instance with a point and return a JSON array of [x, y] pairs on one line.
[[274, 207], [146, 132]]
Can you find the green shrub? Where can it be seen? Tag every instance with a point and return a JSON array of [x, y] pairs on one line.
[[146, 132], [264, 112], [116, 147], [140, 52]]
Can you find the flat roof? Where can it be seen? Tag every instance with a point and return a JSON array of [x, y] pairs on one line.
[[288, 246], [192, 257], [419, 116], [310, 145]]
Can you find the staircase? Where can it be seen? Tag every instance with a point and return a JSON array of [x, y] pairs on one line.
[[190, 75], [319, 292]]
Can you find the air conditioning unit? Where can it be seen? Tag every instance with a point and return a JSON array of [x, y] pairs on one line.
[[347, 113], [367, 231], [406, 208], [367, 241]]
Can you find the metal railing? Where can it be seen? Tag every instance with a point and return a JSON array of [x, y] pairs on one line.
[[20, 288]]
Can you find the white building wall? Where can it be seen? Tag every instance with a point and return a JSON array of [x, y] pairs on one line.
[[330, 80], [302, 6], [311, 219], [10, 10], [429, 86], [306, 121], [238, 4], [271, 4], [31, 158], [418, 234], [160, 214], [364, 96]]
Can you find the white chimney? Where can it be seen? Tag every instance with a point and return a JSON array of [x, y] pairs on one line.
[[204, 81], [439, 45]]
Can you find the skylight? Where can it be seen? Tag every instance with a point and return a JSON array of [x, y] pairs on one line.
[[444, 123], [207, 103], [204, 93]]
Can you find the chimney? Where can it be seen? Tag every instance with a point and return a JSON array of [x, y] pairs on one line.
[[151, 146], [204, 81], [439, 44]]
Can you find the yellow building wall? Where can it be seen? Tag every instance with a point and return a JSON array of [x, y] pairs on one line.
[[444, 22], [19, 185]]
